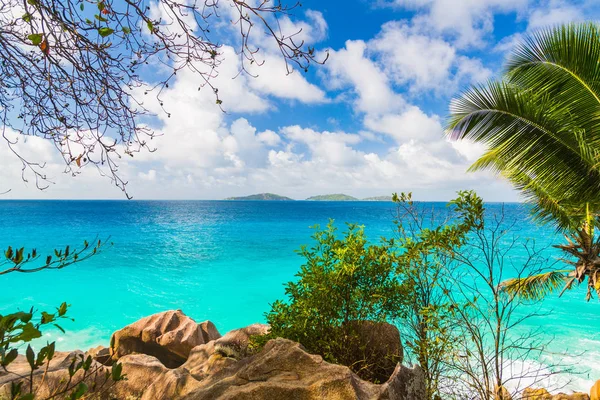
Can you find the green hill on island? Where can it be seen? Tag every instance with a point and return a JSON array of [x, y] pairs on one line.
[[262, 196], [332, 197], [378, 198]]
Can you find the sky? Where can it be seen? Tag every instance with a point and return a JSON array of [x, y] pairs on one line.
[[368, 122]]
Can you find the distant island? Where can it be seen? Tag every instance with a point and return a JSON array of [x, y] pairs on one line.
[[322, 197], [261, 196], [332, 197], [378, 198]]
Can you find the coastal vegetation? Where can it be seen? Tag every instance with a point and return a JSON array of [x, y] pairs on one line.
[[343, 282], [439, 279], [541, 124]]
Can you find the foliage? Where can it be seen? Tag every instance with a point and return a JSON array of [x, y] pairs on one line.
[[17, 260], [425, 243], [494, 348], [541, 124], [19, 328], [343, 281], [71, 69]]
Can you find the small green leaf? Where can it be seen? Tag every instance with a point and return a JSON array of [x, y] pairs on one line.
[[30, 355], [28, 333], [9, 357], [62, 310], [116, 372], [80, 390], [51, 348], [104, 32], [26, 17], [126, 31], [150, 26], [47, 318], [81, 6]]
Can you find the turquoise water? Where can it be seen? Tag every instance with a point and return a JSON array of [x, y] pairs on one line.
[[217, 260]]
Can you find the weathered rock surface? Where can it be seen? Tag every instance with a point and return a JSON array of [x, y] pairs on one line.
[[379, 345], [101, 354], [574, 396], [160, 363], [535, 394], [595, 391], [169, 336], [543, 394], [284, 371], [235, 343]]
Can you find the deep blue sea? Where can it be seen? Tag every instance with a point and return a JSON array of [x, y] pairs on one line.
[[219, 260]]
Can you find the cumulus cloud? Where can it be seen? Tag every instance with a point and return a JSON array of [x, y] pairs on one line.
[[467, 22]]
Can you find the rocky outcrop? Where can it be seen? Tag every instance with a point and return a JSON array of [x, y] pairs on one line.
[[160, 362], [378, 345], [574, 396], [169, 336], [543, 394], [283, 370], [595, 391]]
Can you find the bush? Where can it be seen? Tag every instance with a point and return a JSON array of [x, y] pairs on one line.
[[343, 281]]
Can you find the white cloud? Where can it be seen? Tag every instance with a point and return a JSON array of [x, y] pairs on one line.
[[148, 176], [423, 62], [271, 78], [466, 22], [351, 67], [411, 124], [269, 138], [552, 13]]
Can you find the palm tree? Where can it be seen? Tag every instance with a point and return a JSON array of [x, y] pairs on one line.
[[541, 126]]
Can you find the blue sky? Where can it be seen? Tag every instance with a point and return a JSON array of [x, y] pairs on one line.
[[368, 122]]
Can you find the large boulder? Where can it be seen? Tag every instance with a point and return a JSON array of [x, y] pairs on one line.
[[169, 336], [283, 370], [543, 394], [574, 396], [595, 391], [378, 345]]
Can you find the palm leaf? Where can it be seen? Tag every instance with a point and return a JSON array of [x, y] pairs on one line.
[[535, 287], [541, 124]]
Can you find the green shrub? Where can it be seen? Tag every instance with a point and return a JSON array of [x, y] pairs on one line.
[[342, 281]]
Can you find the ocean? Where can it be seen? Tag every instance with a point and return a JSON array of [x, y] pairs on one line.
[[224, 261]]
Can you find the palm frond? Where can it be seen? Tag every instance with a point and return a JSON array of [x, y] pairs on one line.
[[542, 123], [535, 287]]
